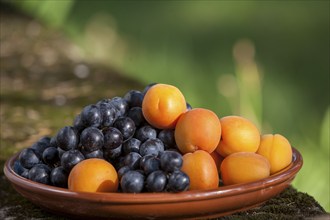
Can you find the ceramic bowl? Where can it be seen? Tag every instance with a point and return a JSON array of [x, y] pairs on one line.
[[190, 204]]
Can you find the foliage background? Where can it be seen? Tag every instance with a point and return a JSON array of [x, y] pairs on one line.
[[265, 60]]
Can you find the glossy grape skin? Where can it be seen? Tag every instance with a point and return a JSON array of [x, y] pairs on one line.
[[94, 154], [131, 145], [132, 182], [121, 105], [122, 171], [156, 181], [149, 164], [167, 137], [70, 158], [145, 90], [178, 182], [91, 139], [188, 106], [59, 177], [134, 98], [91, 116], [41, 145], [113, 138], [67, 138], [51, 157], [146, 132], [112, 154], [78, 123], [136, 115], [108, 114], [25, 174], [28, 158], [171, 161], [126, 126], [132, 160], [40, 173], [18, 168], [152, 146]]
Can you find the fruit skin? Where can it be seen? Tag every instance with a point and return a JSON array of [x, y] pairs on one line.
[[243, 167], [91, 139], [170, 161], [277, 150], [201, 169], [59, 177], [93, 175], [40, 173], [178, 182], [238, 135], [126, 126], [28, 158], [71, 158], [132, 182], [162, 106], [198, 129], [217, 159], [156, 181], [152, 146]]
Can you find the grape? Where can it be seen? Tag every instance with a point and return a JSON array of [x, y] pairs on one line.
[[152, 146], [132, 182], [146, 132], [94, 154], [70, 158], [111, 154], [171, 161], [122, 171], [136, 115], [132, 160], [51, 157], [113, 138], [121, 105], [91, 139], [178, 182], [167, 137], [108, 114], [28, 158], [131, 145], [126, 126], [134, 98], [91, 116], [156, 181], [67, 138], [40, 173], [59, 177], [149, 164], [18, 168]]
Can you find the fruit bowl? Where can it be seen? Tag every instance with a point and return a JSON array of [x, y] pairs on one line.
[[190, 204]]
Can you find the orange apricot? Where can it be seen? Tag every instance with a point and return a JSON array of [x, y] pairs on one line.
[[201, 169], [198, 129], [277, 150], [243, 167], [238, 135], [93, 175], [217, 159], [162, 106]]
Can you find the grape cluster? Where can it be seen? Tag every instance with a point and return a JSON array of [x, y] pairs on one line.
[[145, 157]]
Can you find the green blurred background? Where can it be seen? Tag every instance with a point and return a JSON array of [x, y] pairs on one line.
[[265, 60]]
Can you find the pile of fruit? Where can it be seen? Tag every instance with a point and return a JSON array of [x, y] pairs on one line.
[[153, 141]]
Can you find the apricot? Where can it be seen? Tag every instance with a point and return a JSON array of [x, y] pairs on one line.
[[217, 159], [198, 129], [93, 175], [201, 169], [162, 106], [277, 150], [243, 167], [238, 135]]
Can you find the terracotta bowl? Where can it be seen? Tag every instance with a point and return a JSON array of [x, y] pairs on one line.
[[191, 204]]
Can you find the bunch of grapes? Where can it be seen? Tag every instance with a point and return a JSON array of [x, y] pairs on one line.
[[146, 158]]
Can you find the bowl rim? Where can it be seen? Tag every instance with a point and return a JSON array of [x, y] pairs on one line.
[[145, 198]]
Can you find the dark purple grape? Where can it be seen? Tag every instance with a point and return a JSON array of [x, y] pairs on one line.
[[108, 114], [171, 161], [91, 116], [18, 168], [94, 154], [188, 106], [59, 177], [132, 182], [113, 138], [156, 181], [136, 115], [167, 137], [91, 139], [121, 105], [67, 138], [132, 160], [51, 157], [149, 164], [134, 98], [41, 145], [40, 173], [78, 123], [145, 90], [126, 126], [60, 151], [152, 146], [112, 154], [146, 132], [178, 182], [25, 174], [28, 158], [70, 158], [122, 171], [131, 145]]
